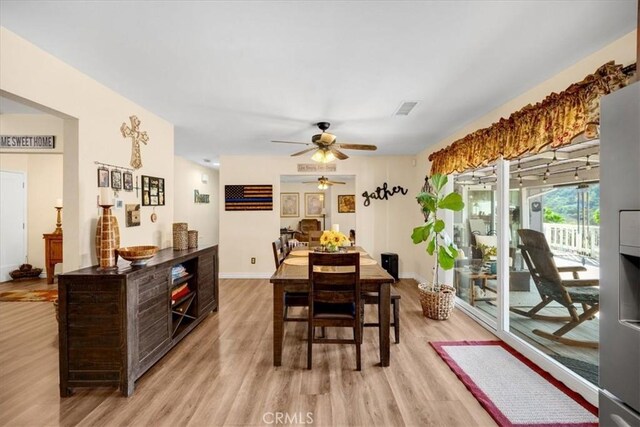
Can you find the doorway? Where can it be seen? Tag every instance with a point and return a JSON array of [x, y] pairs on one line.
[[13, 208]]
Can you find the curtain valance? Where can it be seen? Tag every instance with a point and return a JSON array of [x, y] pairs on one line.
[[549, 124]]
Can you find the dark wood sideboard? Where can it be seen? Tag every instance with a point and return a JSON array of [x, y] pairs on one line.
[[52, 253], [115, 325]]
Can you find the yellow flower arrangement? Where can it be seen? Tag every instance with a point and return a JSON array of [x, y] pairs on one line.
[[331, 240]]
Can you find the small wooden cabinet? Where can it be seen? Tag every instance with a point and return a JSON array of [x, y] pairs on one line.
[[52, 253], [115, 325]]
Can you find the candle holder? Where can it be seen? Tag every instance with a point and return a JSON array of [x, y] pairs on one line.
[[107, 239], [58, 229]]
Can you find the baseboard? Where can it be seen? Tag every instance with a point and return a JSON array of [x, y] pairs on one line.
[[244, 276], [414, 276], [418, 278]]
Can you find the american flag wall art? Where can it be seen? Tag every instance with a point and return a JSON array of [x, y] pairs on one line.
[[248, 197]]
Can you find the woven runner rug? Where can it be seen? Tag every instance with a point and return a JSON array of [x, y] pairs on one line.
[[29, 296], [514, 390]]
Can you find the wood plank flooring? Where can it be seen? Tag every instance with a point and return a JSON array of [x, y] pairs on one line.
[[222, 373]]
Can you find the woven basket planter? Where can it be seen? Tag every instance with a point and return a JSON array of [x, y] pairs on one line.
[[437, 300]]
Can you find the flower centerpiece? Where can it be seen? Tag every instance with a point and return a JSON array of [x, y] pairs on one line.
[[489, 254], [332, 240]]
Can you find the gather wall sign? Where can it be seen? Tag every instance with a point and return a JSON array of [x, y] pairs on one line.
[[383, 193]]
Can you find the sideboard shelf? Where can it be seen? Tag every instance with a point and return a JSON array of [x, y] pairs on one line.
[[115, 325]]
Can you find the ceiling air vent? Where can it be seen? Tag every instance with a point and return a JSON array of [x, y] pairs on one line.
[[406, 108]]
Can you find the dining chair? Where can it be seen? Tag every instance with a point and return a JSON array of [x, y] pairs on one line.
[[371, 298], [314, 238], [291, 299], [278, 252], [334, 299], [285, 244]]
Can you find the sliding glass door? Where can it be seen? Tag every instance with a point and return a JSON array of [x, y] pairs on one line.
[[552, 198], [476, 233]]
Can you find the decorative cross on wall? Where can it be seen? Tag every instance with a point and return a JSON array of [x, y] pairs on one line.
[[136, 138]]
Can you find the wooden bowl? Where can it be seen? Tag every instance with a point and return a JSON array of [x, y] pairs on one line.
[[138, 255]]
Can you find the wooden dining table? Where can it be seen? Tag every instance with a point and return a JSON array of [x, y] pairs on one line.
[[295, 278]]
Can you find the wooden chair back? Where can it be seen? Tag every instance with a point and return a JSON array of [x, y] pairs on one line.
[[278, 252], [284, 239], [539, 259], [314, 238], [334, 278]]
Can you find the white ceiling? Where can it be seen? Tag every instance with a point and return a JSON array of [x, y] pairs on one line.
[[232, 76]]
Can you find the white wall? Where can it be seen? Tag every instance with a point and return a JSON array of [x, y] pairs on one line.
[[43, 170], [346, 221], [623, 51], [384, 226], [203, 217], [93, 115]]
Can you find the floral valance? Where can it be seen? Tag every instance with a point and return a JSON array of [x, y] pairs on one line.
[[549, 124]]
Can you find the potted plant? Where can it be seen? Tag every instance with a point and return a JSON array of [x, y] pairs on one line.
[[437, 299]]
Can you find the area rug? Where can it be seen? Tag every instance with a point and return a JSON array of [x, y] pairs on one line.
[[29, 296], [514, 390]]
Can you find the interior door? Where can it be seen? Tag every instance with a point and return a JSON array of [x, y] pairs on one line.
[[13, 247]]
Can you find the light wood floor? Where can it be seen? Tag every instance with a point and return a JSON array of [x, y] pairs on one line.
[[222, 373]]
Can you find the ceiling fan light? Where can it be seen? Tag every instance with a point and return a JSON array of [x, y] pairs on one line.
[[329, 157], [323, 156], [318, 156]]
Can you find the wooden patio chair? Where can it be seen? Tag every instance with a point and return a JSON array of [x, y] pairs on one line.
[[546, 276]]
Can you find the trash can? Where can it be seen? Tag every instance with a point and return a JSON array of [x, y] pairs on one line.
[[390, 263]]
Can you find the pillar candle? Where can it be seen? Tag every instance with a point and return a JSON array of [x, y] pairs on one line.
[[105, 196], [335, 227], [58, 203]]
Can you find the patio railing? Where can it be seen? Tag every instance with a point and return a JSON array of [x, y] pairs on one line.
[[571, 238]]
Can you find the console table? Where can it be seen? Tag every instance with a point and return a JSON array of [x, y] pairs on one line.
[[115, 325], [52, 253]]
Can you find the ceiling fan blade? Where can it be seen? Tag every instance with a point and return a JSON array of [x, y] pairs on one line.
[[309, 182], [291, 142], [335, 182], [356, 147], [339, 154], [303, 151], [323, 139]]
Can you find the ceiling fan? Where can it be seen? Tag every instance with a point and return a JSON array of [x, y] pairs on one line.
[[323, 182], [326, 147]]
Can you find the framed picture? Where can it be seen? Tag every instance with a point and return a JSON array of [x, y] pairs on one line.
[[313, 204], [347, 203], [289, 205], [116, 179], [127, 181], [103, 177], [152, 191], [132, 217]]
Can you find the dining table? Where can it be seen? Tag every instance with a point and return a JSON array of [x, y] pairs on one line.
[[293, 276]]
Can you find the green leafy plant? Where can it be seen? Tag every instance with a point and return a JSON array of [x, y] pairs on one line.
[[433, 230], [552, 217]]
